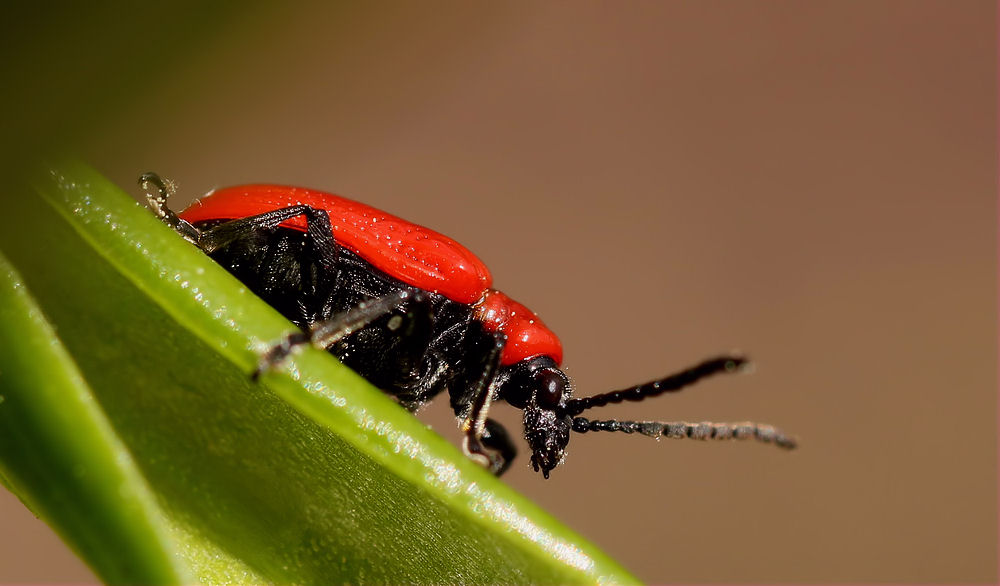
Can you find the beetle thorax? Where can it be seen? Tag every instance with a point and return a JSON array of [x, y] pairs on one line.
[[526, 335]]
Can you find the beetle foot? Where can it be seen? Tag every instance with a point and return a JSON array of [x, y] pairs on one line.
[[279, 352]]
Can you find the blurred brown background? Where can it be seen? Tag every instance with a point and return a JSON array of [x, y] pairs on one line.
[[812, 183]]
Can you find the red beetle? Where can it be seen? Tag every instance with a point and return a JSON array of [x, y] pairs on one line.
[[413, 312]]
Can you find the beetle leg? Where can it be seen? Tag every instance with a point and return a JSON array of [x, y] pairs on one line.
[[214, 238], [157, 192], [209, 240], [317, 226], [394, 353], [496, 438], [319, 236], [327, 333], [476, 445]]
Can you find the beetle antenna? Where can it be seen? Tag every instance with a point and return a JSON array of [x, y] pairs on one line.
[[672, 383], [705, 430], [157, 192]]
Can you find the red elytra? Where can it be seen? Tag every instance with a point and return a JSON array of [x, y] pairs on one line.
[[415, 255]]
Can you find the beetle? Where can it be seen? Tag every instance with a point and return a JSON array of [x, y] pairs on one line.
[[414, 313]]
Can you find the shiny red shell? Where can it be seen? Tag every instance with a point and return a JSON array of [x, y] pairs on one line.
[[411, 253], [527, 336], [418, 256]]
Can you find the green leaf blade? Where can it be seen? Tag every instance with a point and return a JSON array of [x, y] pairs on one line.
[[55, 440]]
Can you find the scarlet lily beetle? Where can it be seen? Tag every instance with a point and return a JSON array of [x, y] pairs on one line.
[[413, 312]]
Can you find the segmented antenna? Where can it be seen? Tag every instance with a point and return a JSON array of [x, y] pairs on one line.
[[705, 430], [672, 383]]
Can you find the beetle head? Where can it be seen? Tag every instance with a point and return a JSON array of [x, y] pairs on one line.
[[541, 390]]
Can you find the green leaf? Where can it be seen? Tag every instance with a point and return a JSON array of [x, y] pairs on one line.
[[60, 455], [192, 471]]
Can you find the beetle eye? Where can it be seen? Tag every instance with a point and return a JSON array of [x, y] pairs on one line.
[[549, 386]]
